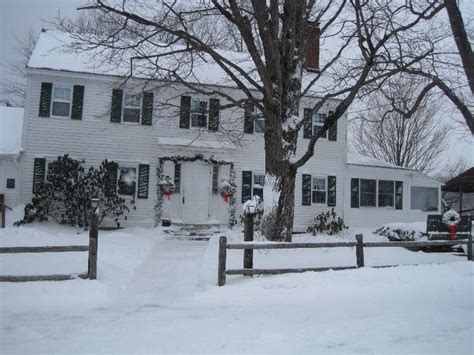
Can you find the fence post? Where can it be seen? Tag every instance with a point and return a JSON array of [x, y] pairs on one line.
[[2, 210], [469, 247], [360, 250], [93, 236], [222, 261], [248, 237]]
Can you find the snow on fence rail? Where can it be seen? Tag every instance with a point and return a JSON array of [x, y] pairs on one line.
[[248, 248], [91, 265]]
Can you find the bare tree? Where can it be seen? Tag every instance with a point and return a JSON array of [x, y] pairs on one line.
[[388, 129], [14, 87], [365, 42]]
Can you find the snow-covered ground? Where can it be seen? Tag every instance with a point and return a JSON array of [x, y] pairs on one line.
[[159, 295]]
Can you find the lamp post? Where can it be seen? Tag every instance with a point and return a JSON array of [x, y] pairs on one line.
[[249, 214], [93, 236]]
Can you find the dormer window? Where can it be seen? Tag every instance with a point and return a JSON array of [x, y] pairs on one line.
[[61, 103], [132, 104], [198, 113]]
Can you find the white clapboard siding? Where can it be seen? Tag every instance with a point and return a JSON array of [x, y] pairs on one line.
[[10, 169]]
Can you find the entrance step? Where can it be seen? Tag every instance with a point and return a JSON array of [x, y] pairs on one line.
[[197, 232]]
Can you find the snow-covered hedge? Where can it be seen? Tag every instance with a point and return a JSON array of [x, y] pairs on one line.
[[403, 231]]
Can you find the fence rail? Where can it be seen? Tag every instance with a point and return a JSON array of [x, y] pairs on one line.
[[91, 263], [359, 245]]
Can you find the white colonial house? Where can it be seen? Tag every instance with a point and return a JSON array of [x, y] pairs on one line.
[[156, 129]]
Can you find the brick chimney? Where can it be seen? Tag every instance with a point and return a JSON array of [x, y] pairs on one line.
[[311, 58]]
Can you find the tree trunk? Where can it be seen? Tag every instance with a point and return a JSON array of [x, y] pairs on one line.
[[279, 191]]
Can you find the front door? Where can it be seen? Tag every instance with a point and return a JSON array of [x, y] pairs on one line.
[[196, 192]]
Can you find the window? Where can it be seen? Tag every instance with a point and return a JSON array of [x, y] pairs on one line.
[[259, 123], [258, 184], [61, 103], [318, 122], [127, 181], [132, 107], [177, 178], [368, 193], [10, 183], [386, 193], [215, 179], [424, 198], [198, 113], [319, 190]]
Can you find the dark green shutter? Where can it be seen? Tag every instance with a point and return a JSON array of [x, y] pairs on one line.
[[77, 102], [111, 183], [116, 108], [185, 112], [214, 107], [177, 177], [45, 99], [248, 119], [246, 185], [399, 195], [331, 191], [143, 178], [147, 109], [39, 166], [332, 135], [355, 193], [308, 125], [306, 190]]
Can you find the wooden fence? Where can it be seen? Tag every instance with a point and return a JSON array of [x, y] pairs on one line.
[[92, 260], [359, 245]]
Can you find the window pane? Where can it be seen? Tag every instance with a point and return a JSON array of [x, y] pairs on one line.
[[132, 100], [198, 120], [197, 105], [319, 184], [386, 193], [367, 193], [62, 93], [259, 181], [319, 196], [61, 109], [131, 115], [259, 126], [424, 198], [127, 181], [258, 192]]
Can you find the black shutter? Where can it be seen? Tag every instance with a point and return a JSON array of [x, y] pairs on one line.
[[308, 125], [143, 178], [399, 195], [116, 107], [214, 107], [248, 119], [177, 177], [147, 109], [111, 183], [355, 193], [38, 172], [246, 185], [331, 191], [185, 112], [306, 190], [45, 99], [77, 102], [332, 135]]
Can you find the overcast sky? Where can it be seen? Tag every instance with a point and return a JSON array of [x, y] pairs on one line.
[[18, 16]]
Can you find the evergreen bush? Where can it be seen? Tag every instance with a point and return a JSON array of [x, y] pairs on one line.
[[327, 223]]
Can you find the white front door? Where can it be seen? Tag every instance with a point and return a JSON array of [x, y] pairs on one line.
[[196, 192]]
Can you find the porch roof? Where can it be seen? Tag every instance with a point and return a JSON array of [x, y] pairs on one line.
[[463, 182]]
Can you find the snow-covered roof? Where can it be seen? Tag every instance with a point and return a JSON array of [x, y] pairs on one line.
[[357, 159], [53, 52], [11, 127]]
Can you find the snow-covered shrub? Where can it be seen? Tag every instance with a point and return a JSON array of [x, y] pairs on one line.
[[328, 223], [402, 231], [66, 194]]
